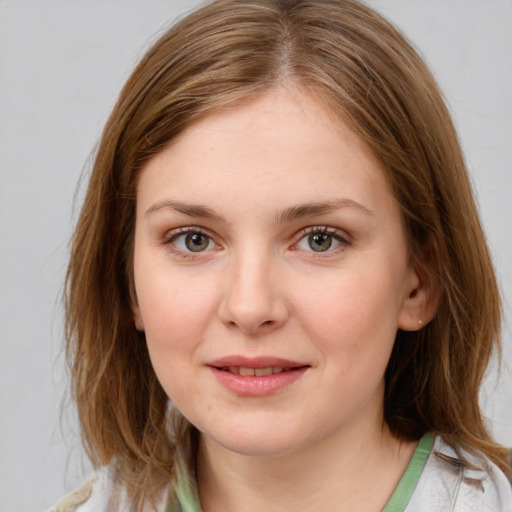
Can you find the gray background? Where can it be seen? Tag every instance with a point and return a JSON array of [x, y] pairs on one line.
[[62, 64]]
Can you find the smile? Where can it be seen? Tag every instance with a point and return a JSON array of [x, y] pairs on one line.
[[259, 377]]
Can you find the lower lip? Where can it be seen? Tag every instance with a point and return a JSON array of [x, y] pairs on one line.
[[258, 386]]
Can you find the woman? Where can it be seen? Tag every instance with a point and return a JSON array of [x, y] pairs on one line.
[[280, 239]]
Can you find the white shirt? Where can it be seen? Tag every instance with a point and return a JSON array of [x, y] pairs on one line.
[[446, 484]]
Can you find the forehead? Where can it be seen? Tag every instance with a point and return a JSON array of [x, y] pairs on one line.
[[283, 147]]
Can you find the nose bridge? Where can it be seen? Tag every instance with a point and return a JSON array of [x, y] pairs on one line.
[[253, 299]]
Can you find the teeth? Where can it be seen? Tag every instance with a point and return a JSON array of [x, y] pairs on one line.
[[262, 372], [258, 372]]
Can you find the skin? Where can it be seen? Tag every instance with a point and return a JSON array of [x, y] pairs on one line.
[[260, 289]]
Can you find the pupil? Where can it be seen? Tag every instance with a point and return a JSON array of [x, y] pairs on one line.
[[320, 242], [196, 242]]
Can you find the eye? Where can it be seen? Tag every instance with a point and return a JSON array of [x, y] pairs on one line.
[[192, 241], [321, 239]]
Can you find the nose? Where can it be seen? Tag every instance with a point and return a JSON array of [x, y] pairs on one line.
[[253, 299]]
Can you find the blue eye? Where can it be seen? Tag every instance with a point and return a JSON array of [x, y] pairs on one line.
[[321, 240], [193, 241]]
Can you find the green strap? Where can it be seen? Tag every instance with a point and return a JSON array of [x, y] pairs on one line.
[[403, 492], [185, 497]]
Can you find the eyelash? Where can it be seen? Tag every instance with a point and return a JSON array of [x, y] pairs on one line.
[[323, 230], [171, 238]]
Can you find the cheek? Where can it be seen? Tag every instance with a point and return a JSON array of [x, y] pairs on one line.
[[163, 288], [350, 311], [176, 307], [176, 317]]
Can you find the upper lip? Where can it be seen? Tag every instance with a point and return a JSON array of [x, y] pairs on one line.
[[254, 362]]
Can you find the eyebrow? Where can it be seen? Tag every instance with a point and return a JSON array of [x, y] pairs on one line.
[[321, 208], [192, 210], [283, 217]]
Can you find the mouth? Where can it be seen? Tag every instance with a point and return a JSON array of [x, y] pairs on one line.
[[257, 377], [255, 366], [256, 372]]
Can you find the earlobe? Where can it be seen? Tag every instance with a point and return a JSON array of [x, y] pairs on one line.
[[420, 303], [137, 317], [136, 312]]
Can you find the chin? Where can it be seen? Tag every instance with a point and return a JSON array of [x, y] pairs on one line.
[[264, 449], [261, 443]]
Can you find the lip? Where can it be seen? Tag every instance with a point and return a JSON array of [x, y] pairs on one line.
[[256, 386]]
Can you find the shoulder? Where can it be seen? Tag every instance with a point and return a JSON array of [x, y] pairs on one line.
[[70, 502], [104, 493], [451, 483], [99, 494]]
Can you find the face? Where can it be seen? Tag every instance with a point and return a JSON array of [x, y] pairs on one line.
[[271, 276]]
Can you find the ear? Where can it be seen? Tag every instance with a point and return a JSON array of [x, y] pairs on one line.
[[137, 317], [421, 299], [134, 304]]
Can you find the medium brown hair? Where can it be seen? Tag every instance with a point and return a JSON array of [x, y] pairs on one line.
[[362, 69]]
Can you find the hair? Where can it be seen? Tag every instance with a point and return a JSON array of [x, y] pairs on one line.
[[361, 69]]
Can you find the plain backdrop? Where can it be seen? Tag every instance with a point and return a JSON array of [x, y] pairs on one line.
[[62, 65]]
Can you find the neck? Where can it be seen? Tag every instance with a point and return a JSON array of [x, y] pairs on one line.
[[331, 474]]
